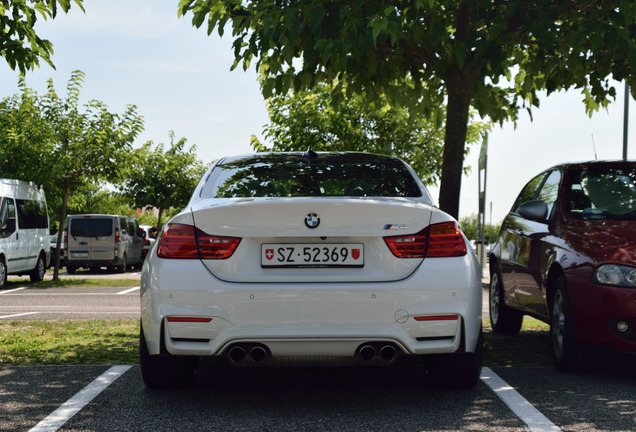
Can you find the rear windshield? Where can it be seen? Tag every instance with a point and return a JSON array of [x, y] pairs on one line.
[[296, 177], [603, 193], [92, 227]]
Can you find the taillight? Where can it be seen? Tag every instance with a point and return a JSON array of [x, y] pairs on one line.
[[411, 246], [438, 240], [117, 241], [188, 242]]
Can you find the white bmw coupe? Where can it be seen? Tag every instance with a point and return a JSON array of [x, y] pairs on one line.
[[287, 256]]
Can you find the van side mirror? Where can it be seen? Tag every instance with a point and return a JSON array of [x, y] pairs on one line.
[[534, 210], [141, 233]]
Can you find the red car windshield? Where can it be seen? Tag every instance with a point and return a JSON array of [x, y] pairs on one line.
[[603, 193]]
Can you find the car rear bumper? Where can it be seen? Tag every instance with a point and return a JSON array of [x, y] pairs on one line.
[[94, 263], [435, 310]]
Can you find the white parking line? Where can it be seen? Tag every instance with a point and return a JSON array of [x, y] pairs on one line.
[[129, 290], [534, 420], [17, 315], [13, 290], [72, 406]]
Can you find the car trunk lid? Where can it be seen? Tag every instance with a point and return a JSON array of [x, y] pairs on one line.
[[333, 239]]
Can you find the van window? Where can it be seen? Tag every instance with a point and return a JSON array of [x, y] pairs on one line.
[[124, 225], [7, 215], [133, 225], [31, 214], [92, 227]]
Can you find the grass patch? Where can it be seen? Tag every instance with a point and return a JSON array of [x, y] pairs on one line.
[[97, 341], [69, 342], [530, 323], [67, 283]]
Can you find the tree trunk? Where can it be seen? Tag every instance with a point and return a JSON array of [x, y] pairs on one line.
[[60, 232], [459, 89], [159, 230]]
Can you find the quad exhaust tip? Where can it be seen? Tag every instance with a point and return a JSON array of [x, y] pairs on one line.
[[377, 353], [239, 354], [368, 353]]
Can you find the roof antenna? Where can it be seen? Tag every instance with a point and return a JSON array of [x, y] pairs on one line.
[[594, 145], [310, 154]]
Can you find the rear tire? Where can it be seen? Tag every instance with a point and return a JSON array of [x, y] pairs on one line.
[[568, 354], [458, 370], [503, 319], [37, 274], [3, 273], [166, 371]]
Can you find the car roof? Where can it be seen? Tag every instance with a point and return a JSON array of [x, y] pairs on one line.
[[308, 155], [593, 164]]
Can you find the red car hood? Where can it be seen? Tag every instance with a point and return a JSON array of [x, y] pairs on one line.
[[603, 240]]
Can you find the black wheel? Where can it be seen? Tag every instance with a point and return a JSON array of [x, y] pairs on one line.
[[503, 319], [37, 274], [123, 266], [458, 370], [3, 273], [567, 353], [70, 269], [166, 371]]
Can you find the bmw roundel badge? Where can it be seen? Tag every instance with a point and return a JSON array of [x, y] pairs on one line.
[[312, 220]]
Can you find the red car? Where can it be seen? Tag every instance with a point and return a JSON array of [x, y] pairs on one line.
[[566, 255]]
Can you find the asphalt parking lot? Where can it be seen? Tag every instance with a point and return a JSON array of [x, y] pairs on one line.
[[113, 398], [520, 391]]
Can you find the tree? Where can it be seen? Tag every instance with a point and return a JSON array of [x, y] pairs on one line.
[[94, 197], [162, 178], [470, 225], [19, 44], [308, 118], [72, 147], [493, 55]]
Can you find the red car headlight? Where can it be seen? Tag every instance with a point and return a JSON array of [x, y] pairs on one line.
[[614, 274]]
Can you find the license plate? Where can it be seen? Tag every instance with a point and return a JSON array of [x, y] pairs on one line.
[[312, 255], [79, 255]]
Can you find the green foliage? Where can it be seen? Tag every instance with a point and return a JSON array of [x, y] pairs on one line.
[[161, 178], [19, 44], [89, 198], [147, 218], [309, 118], [492, 56], [54, 142], [72, 146], [470, 224]]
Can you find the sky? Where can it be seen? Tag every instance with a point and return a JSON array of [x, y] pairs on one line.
[[140, 52]]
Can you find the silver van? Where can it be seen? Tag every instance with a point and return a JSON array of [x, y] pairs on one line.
[[24, 230], [98, 240]]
